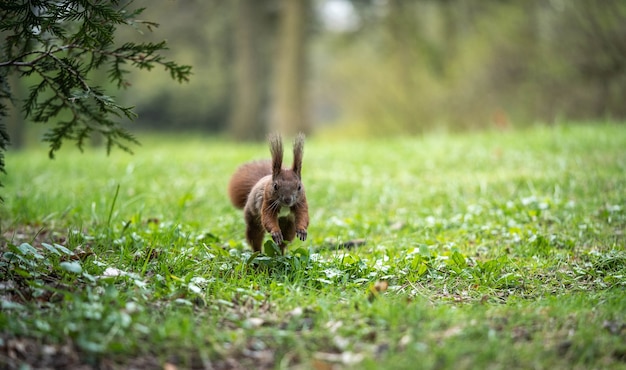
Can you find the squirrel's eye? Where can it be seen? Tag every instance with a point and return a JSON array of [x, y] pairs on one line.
[[299, 187], [275, 186]]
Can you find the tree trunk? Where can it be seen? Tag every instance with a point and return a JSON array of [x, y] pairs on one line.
[[247, 121], [289, 111], [400, 27], [16, 126]]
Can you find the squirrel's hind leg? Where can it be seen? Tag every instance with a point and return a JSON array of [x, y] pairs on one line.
[[288, 228], [254, 232]]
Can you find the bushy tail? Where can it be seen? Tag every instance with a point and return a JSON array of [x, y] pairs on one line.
[[246, 176]]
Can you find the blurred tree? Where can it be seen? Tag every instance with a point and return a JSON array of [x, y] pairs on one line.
[[201, 34], [594, 44], [56, 45], [253, 34], [552, 61], [411, 66], [401, 27], [289, 104], [15, 121]]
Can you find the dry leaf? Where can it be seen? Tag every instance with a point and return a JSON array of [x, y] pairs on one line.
[[255, 322], [376, 289], [169, 366]]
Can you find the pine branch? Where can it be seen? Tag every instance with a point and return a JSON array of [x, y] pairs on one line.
[[59, 43]]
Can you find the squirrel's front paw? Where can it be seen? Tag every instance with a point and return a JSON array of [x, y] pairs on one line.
[[277, 236], [301, 234]]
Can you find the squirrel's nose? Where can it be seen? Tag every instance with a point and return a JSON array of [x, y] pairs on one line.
[[289, 200]]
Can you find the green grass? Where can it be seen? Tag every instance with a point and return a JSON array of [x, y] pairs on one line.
[[491, 250]]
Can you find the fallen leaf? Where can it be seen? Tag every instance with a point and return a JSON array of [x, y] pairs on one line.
[[169, 366], [451, 332], [112, 272], [81, 253], [322, 365], [351, 358], [254, 322], [404, 341], [334, 325], [298, 311], [376, 289], [341, 342], [346, 358]]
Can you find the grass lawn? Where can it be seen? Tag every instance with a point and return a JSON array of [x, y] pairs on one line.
[[482, 251]]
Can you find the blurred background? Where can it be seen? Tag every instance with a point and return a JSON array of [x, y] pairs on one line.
[[379, 67]]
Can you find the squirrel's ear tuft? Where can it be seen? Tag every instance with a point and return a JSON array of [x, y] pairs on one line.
[[298, 150], [276, 148]]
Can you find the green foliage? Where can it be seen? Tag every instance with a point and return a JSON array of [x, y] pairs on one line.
[[57, 46], [489, 250], [429, 65]]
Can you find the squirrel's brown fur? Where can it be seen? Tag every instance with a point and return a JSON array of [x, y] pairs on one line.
[[264, 188]]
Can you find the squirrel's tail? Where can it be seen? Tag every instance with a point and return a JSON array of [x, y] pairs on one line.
[[246, 176]]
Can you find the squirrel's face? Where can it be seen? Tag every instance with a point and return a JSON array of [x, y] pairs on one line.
[[287, 188]]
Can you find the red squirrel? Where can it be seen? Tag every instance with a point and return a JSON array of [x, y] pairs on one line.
[[264, 188]]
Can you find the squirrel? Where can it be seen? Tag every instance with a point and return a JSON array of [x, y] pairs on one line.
[[264, 188]]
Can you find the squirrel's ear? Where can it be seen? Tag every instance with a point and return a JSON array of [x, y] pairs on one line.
[[276, 148], [298, 148]]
